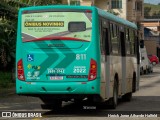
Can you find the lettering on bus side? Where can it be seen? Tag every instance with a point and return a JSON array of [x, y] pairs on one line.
[[81, 56], [44, 24], [79, 69], [55, 70]]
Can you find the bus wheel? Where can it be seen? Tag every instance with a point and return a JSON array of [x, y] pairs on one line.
[[114, 100], [127, 97]]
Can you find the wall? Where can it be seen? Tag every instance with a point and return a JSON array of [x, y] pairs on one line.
[[102, 4], [122, 12]]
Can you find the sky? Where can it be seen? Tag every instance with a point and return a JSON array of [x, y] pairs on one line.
[[152, 1]]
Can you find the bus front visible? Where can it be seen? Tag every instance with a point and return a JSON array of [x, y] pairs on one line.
[[55, 54]]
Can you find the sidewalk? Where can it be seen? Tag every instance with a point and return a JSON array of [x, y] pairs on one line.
[[7, 91]]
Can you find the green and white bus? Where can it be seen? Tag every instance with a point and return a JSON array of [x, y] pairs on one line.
[[68, 53]]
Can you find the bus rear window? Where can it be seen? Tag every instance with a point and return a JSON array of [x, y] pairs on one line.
[[77, 26], [59, 25]]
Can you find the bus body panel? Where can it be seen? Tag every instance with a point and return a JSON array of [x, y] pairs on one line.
[[69, 61], [30, 88], [117, 67]]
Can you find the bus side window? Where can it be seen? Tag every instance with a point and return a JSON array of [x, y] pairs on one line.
[[106, 41], [101, 38], [128, 42], [135, 38], [132, 40], [114, 39], [119, 45], [105, 50], [137, 49]]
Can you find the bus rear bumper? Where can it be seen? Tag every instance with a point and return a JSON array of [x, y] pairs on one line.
[[90, 87]]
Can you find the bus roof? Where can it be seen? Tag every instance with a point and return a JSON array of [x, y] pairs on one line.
[[65, 7], [117, 19], [103, 13]]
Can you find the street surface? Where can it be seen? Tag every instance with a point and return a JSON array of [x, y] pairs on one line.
[[146, 99]]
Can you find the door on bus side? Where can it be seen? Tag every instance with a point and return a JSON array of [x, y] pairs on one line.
[[105, 51], [123, 55]]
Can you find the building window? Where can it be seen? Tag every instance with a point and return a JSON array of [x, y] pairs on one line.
[[116, 4], [139, 6], [75, 2]]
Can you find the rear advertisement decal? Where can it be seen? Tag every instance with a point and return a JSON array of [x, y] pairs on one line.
[[44, 24], [35, 26], [54, 24]]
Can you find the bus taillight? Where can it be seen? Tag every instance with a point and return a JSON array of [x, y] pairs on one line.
[[20, 70], [93, 70]]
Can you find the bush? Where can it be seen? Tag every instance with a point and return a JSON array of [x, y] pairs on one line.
[[6, 79]]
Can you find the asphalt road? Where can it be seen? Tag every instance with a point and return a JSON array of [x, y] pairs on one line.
[[147, 99]]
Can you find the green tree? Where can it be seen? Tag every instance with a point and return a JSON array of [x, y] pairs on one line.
[[8, 27], [156, 15], [147, 12], [114, 13], [8, 23]]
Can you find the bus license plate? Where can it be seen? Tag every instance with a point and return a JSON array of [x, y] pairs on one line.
[[56, 77]]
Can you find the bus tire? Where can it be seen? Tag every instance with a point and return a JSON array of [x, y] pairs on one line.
[[127, 97], [114, 100]]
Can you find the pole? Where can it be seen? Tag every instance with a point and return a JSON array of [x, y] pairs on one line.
[[158, 39], [68, 2]]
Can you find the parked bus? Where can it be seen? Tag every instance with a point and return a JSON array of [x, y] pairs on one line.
[[75, 52]]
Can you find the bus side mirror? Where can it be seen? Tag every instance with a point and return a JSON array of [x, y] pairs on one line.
[[141, 43]]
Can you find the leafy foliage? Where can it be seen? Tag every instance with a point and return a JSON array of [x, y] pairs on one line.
[[114, 13], [8, 27], [151, 11], [8, 23], [147, 11]]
